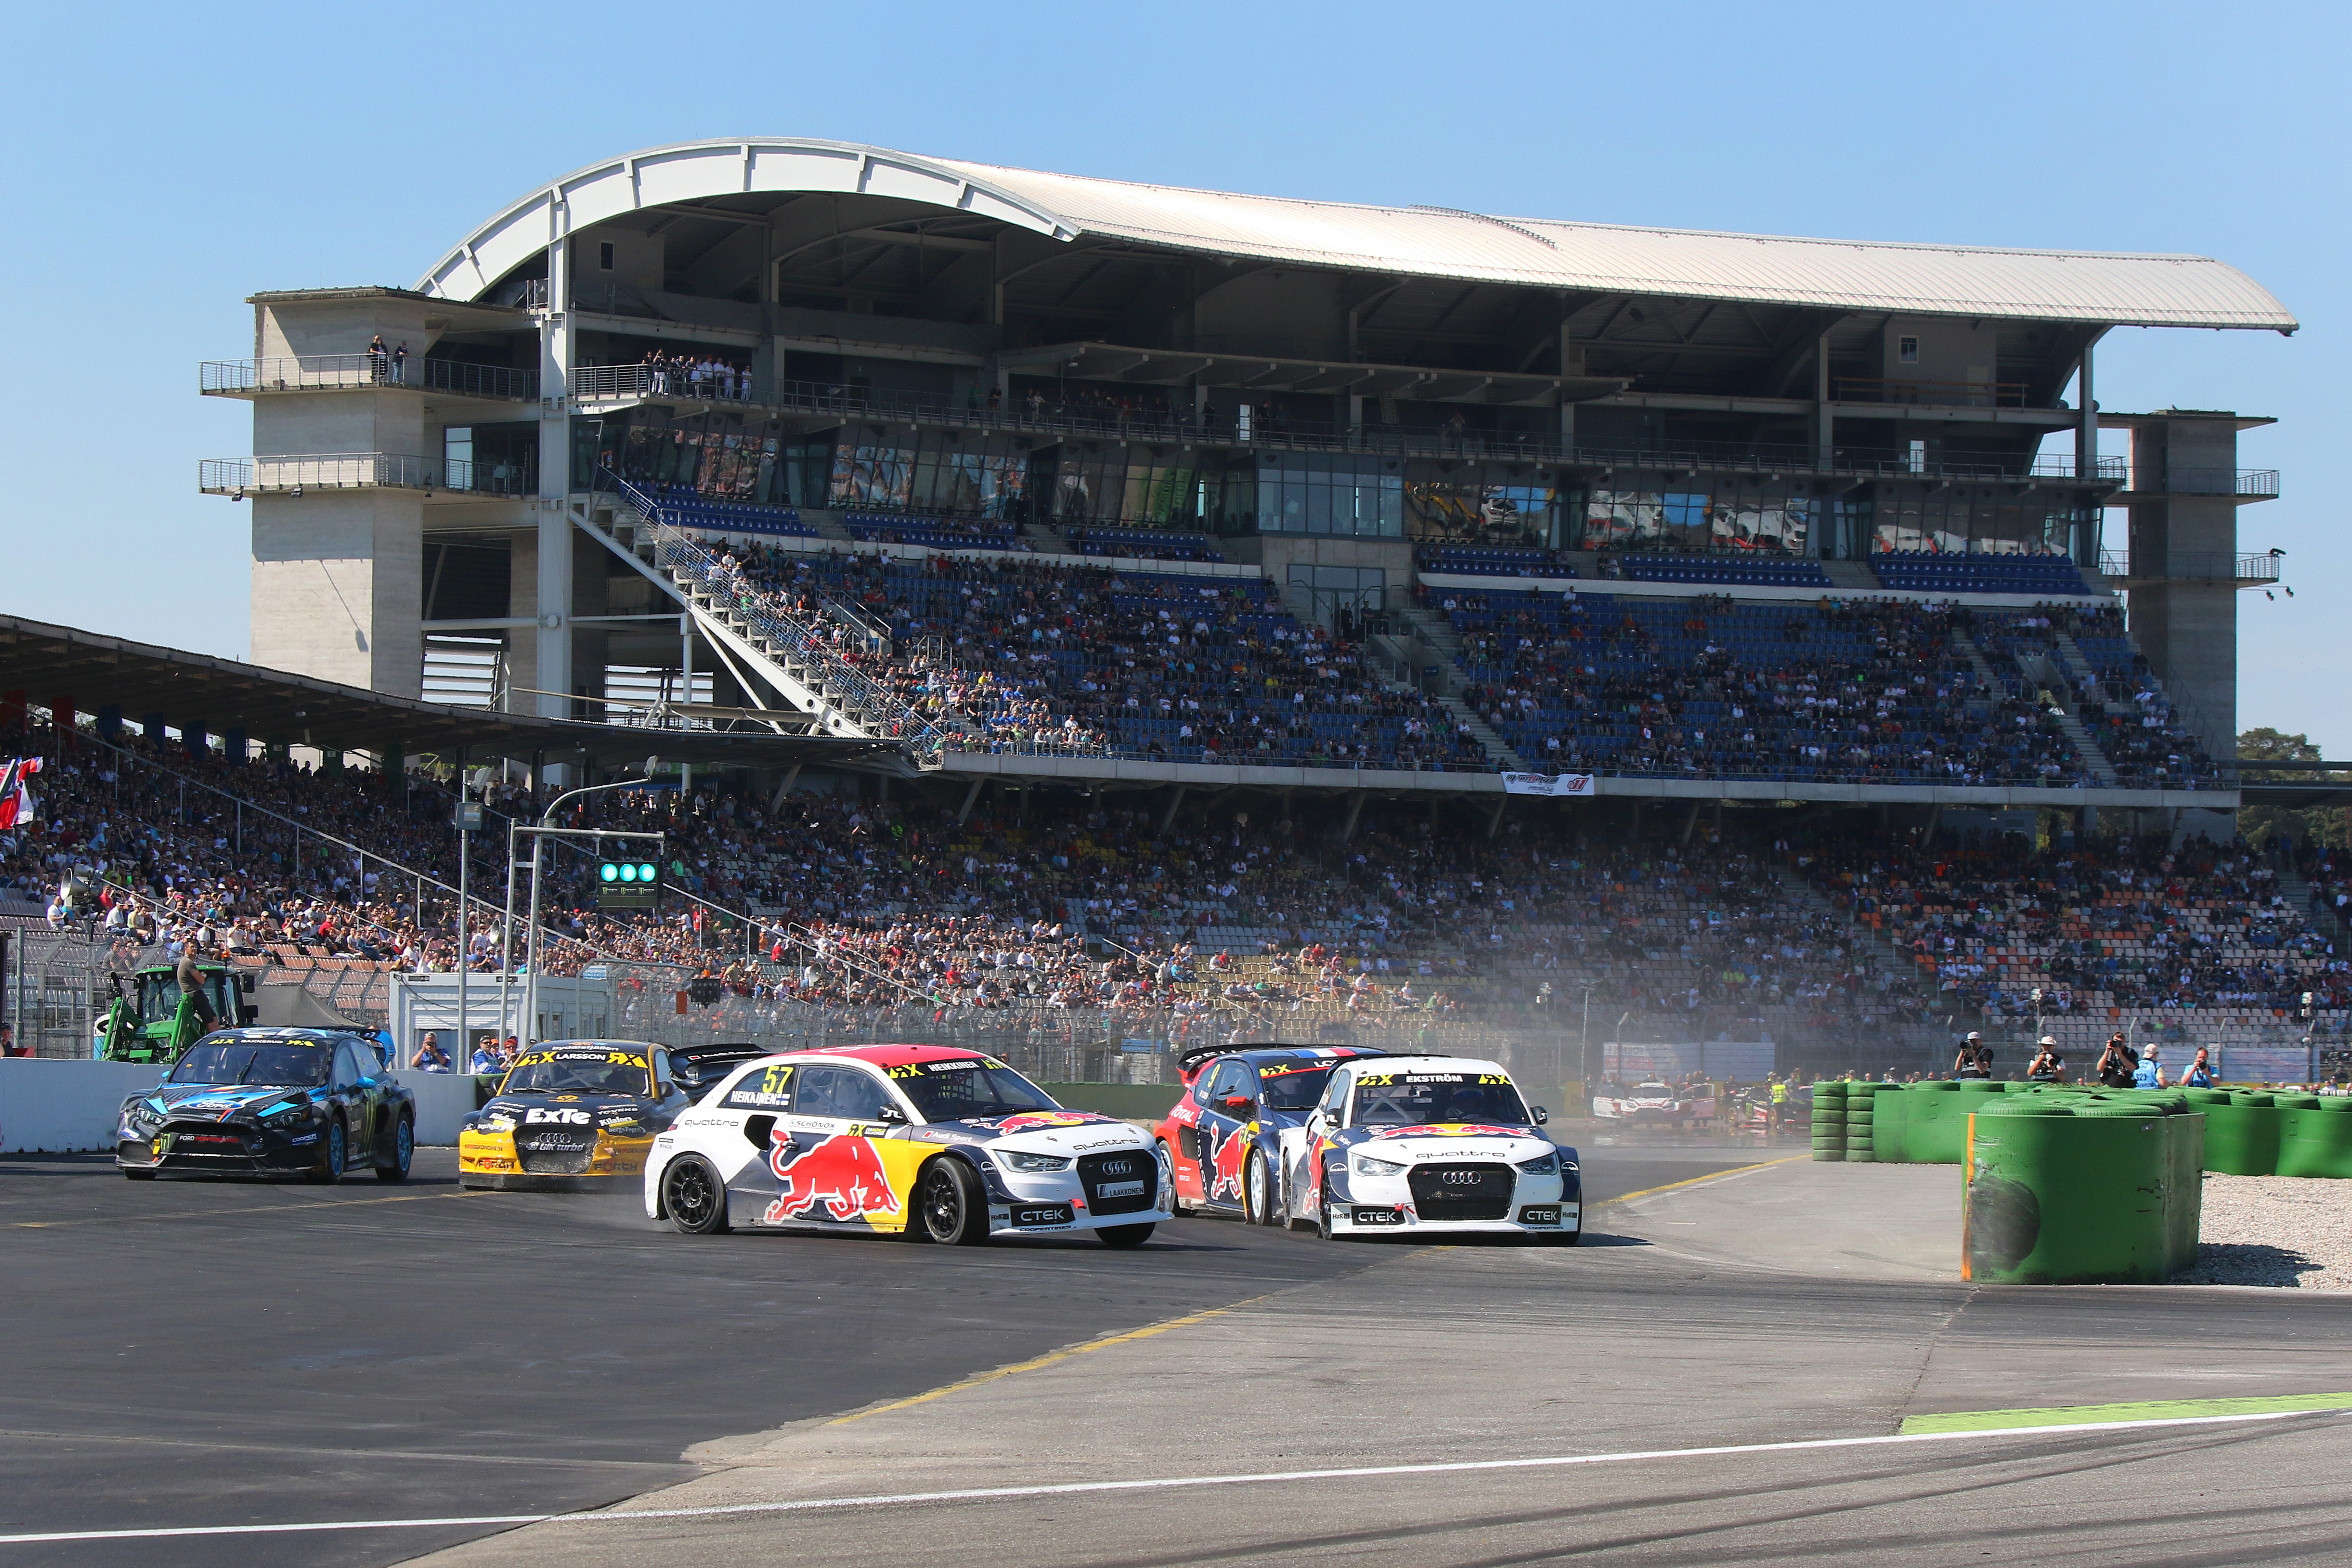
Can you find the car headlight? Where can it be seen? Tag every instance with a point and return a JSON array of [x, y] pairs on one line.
[[1542, 1165], [1034, 1162], [490, 1124], [626, 1129], [287, 1115], [1367, 1166], [141, 1115]]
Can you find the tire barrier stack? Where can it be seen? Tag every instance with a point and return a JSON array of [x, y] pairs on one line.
[[1862, 1121], [1829, 1119], [2068, 1188]]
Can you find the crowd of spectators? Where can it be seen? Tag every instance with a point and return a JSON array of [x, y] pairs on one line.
[[691, 375], [1033, 655], [2135, 924]]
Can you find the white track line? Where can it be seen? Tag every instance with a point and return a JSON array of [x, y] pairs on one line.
[[814, 1505]]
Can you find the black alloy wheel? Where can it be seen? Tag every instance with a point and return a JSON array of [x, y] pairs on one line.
[[1323, 1215], [1124, 1236], [1257, 1189], [331, 1156], [404, 1151], [954, 1210], [695, 1196]]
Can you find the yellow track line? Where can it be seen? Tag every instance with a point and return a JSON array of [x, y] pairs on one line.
[[1714, 1175], [1105, 1343]]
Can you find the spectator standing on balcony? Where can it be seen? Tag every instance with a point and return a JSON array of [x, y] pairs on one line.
[[377, 355], [400, 364]]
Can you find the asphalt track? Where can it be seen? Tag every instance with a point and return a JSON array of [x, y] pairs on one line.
[[205, 1354]]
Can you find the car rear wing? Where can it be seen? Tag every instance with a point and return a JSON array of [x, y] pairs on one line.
[[698, 1067]]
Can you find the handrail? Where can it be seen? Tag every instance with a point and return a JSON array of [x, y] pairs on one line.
[[1965, 394], [363, 470], [332, 372], [2166, 480], [2250, 568], [1283, 434], [675, 552]]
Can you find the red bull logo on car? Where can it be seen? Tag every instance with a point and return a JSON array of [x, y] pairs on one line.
[[1451, 1129], [1227, 1161], [837, 1177], [1027, 1121]]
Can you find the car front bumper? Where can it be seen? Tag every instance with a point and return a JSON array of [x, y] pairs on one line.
[[492, 1161]]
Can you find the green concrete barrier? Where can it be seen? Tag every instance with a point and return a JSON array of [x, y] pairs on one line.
[[1890, 1132], [2242, 1138], [2315, 1137], [2098, 1192]]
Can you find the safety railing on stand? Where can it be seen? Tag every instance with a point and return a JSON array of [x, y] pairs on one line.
[[872, 707]]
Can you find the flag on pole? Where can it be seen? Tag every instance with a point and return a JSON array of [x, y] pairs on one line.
[[16, 795]]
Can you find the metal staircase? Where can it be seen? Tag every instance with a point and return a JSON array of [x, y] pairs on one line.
[[755, 635]]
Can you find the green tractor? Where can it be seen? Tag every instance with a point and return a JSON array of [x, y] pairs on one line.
[[153, 1022]]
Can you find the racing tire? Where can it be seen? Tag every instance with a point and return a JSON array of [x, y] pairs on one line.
[[1124, 1236], [694, 1197], [404, 1151], [1176, 1203], [334, 1155], [1258, 1190], [129, 1175], [955, 1209], [1323, 1218]]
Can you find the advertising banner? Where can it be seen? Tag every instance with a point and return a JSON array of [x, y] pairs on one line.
[[1547, 784]]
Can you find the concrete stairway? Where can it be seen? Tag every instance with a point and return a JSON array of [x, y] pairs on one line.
[[1435, 632]]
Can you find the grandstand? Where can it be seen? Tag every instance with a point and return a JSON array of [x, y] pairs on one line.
[[1396, 601]]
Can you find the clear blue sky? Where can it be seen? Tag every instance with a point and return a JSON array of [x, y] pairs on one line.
[[172, 161]]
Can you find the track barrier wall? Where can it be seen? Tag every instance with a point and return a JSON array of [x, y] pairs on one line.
[[51, 1107]]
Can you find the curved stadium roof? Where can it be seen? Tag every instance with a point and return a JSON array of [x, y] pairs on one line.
[[1974, 281]]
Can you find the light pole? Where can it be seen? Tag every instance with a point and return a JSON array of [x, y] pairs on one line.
[[538, 833], [467, 820]]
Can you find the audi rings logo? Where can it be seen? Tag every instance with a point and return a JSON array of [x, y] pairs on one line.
[[1118, 1167], [1461, 1178]]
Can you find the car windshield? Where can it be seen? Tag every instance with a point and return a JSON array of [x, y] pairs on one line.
[[1292, 1088], [1653, 1091], [960, 1090], [1421, 1099], [243, 1061], [604, 1073]]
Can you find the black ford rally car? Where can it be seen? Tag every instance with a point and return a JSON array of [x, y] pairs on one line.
[[271, 1102]]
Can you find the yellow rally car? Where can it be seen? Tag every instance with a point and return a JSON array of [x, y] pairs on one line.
[[571, 1113]]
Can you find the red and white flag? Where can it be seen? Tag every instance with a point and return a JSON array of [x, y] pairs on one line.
[[16, 795]]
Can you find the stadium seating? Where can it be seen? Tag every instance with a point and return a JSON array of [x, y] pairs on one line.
[[1926, 571], [1481, 560], [682, 507], [1149, 544], [1725, 572], [938, 533]]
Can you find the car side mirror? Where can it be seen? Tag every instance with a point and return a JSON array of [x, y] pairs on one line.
[[1237, 1106], [890, 1113], [1542, 1115]]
